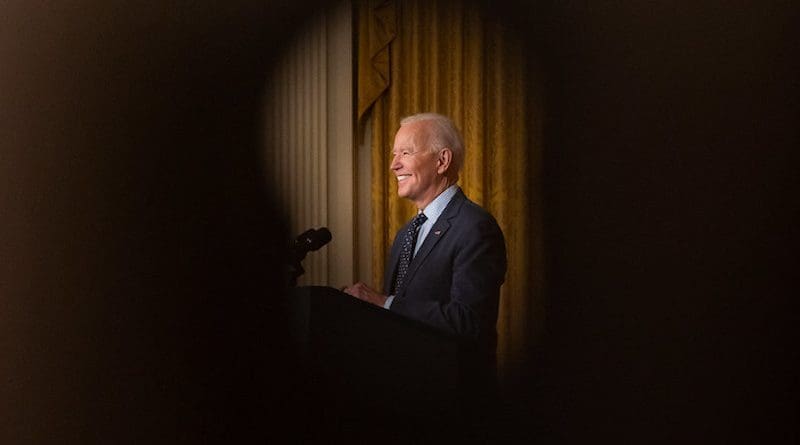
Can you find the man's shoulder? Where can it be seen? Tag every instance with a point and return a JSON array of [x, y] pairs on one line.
[[471, 209], [472, 215], [473, 225]]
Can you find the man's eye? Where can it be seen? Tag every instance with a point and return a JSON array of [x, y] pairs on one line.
[[406, 153]]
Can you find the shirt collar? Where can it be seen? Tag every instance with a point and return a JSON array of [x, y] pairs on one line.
[[437, 206]]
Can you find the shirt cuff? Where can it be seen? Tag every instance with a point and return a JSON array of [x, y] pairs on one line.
[[388, 303]]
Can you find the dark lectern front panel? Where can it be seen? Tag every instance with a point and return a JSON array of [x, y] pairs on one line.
[[366, 362]]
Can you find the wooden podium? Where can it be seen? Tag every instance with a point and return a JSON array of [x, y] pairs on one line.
[[365, 362]]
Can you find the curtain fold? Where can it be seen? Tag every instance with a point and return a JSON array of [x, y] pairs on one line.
[[377, 27], [453, 58]]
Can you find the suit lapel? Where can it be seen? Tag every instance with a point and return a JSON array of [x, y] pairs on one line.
[[436, 233]]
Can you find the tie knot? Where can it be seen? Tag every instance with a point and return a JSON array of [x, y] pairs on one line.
[[419, 219]]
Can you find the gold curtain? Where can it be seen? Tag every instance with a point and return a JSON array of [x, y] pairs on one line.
[[451, 58]]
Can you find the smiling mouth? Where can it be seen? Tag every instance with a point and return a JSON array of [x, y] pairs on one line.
[[401, 178]]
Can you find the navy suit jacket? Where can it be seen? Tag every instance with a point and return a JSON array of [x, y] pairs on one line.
[[453, 282]]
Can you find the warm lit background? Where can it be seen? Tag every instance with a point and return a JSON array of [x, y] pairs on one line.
[[340, 92]]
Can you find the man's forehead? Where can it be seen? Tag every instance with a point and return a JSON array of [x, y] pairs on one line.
[[405, 143], [408, 135], [404, 139]]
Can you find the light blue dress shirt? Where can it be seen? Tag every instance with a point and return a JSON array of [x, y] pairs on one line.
[[433, 211]]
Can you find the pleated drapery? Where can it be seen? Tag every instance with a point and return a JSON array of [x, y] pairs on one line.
[[452, 58]]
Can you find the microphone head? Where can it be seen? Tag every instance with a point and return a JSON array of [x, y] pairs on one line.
[[304, 238], [320, 237], [312, 239]]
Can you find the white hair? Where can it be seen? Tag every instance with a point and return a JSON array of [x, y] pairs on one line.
[[443, 134]]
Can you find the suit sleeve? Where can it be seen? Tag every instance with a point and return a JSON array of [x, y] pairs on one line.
[[478, 271]]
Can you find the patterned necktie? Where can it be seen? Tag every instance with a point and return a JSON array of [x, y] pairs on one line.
[[407, 252]]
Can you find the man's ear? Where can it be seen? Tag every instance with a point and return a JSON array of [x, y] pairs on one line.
[[445, 158]]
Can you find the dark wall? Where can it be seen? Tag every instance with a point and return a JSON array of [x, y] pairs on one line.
[[139, 249], [670, 158]]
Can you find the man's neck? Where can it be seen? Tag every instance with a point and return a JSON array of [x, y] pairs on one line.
[[444, 186]]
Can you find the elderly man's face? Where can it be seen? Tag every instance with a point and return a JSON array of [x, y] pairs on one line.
[[416, 168]]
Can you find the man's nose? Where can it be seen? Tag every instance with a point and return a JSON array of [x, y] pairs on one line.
[[395, 164]]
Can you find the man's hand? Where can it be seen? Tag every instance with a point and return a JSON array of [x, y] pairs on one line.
[[364, 292]]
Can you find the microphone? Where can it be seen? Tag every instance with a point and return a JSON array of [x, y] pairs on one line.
[[311, 240], [308, 241]]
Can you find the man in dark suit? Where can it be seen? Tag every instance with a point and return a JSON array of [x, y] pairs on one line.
[[446, 266]]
